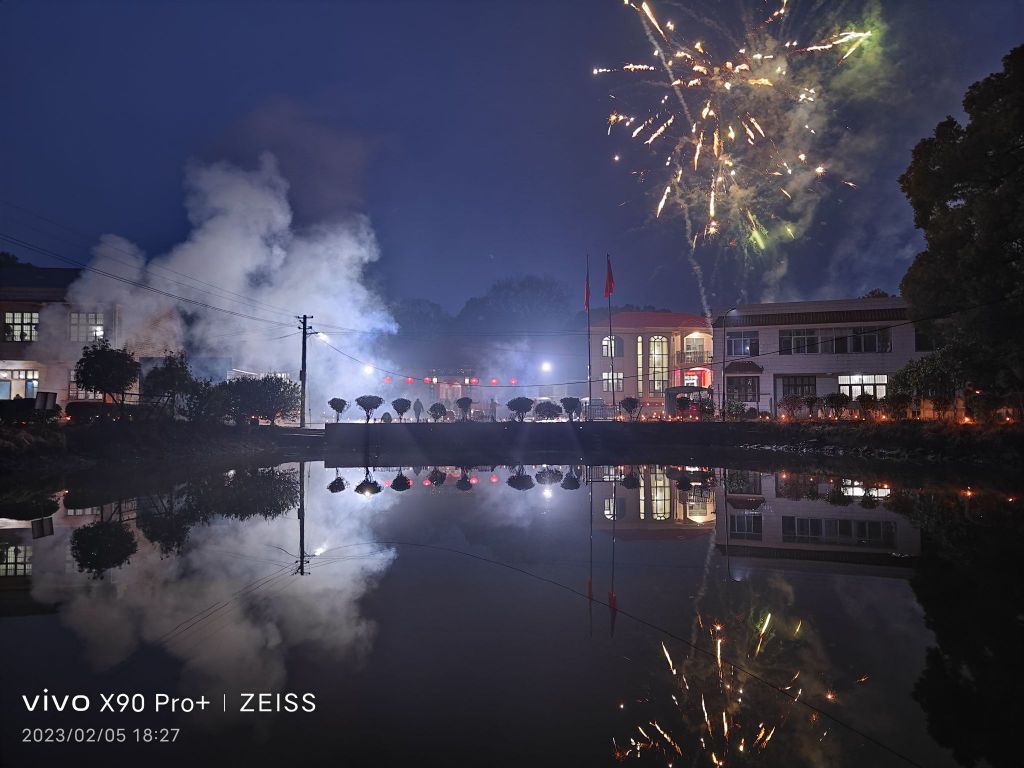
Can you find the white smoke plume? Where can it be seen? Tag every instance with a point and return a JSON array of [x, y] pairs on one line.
[[244, 255]]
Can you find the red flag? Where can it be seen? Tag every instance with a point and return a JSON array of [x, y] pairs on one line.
[[586, 291], [609, 280]]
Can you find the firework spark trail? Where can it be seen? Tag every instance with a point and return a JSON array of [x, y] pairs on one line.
[[738, 141]]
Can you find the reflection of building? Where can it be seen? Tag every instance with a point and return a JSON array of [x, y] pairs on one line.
[[810, 517], [651, 351], [649, 504], [812, 348]]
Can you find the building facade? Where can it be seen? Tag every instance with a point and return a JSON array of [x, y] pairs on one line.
[[764, 352], [646, 353]]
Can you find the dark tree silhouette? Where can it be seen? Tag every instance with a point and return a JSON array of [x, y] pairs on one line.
[[338, 405], [520, 406], [545, 410], [401, 406], [169, 380], [436, 477], [107, 370], [100, 546], [437, 411], [549, 476], [401, 483], [520, 480], [337, 485], [369, 404], [631, 406], [368, 486], [464, 404], [572, 406]]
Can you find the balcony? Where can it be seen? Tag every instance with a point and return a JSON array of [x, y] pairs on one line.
[[693, 357]]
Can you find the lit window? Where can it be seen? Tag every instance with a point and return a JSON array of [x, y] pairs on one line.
[[606, 381], [85, 326], [657, 364], [858, 384], [742, 343], [611, 345]]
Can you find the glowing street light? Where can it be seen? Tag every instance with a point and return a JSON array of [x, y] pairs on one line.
[[367, 369], [322, 336], [545, 366]]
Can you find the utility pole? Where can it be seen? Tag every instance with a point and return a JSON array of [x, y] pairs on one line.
[[302, 372]]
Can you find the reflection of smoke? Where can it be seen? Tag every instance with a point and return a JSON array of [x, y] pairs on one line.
[[230, 606], [244, 254]]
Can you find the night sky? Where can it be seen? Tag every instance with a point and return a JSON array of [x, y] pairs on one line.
[[471, 133]]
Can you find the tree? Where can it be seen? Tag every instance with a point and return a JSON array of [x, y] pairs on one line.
[[464, 405], [339, 406], [8, 259], [876, 293], [631, 406], [386, 418], [791, 404], [265, 397], [417, 408], [102, 545], [401, 483], [868, 404], [170, 379], [520, 406], [369, 404], [836, 402], [811, 403], [572, 406], [896, 404], [965, 184], [107, 370], [401, 406], [545, 410], [437, 411], [734, 409], [941, 405]]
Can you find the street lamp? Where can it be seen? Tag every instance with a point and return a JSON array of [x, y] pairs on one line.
[[367, 369], [545, 367]]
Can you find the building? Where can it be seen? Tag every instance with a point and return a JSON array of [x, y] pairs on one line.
[[764, 352], [650, 353], [656, 505], [42, 333]]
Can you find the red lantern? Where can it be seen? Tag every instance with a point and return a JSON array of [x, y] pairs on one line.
[[513, 381], [426, 482], [474, 380], [493, 478], [474, 480], [494, 382], [409, 379], [426, 379], [387, 379]]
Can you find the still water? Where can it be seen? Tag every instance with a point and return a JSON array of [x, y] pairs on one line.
[[569, 615]]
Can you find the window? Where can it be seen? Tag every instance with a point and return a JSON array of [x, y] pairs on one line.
[[639, 366], [606, 380], [694, 352], [798, 385], [657, 365], [798, 342], [746, 527], [18, 383], [741, 343], [859, 383], [835, 341], [612, 345], [870, 340], [620, 508], [15, 560], [21, 326], [660, 497], [74, 393], [746, 389], [85, 326], [850, 533]]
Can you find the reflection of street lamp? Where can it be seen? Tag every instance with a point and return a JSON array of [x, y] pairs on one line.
[[367, 369], [545, 367]]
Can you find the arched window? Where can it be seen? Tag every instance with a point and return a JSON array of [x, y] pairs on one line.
[[639, 366], [611, 345], [657, 364], [660, 496]]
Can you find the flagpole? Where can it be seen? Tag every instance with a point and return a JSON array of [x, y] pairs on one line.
[[590, 365], [612, 350]]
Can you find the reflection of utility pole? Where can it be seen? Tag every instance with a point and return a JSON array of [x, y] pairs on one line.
[[306, 331], [302, 517]]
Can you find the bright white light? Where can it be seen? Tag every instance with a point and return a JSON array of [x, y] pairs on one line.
[[548, 493], [322, 336], [367, 369], [319, 551], [545, 366]]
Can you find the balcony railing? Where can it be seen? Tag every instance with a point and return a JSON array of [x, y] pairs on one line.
[[693, 357]]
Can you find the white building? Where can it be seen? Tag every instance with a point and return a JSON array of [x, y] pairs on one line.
[[763, 352]]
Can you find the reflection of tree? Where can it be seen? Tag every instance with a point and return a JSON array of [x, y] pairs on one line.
[[401, 483], [970, 582], [464, 483], [102, 545], [571, 482], [549, 476], [631, 480], [368, 486], [27, 504], [337, 485], [245, 493], [519, 479], [436, 477]]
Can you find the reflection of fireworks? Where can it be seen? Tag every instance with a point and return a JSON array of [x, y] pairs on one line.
[[732, 135]]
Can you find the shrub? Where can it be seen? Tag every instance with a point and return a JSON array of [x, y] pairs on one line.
[[896, 404], [811, 404], [265, 397], [734, 409], [631, 406], [572, 406], [437, 411], [547, 411], [386, 418], [791, 404], [520, 406], [401, 406], [339, 406], [836, 402], [941, 405], [464, 404], [868, 404], [369, 404]]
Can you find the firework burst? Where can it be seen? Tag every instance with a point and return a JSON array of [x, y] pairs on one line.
[[733, 132]]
